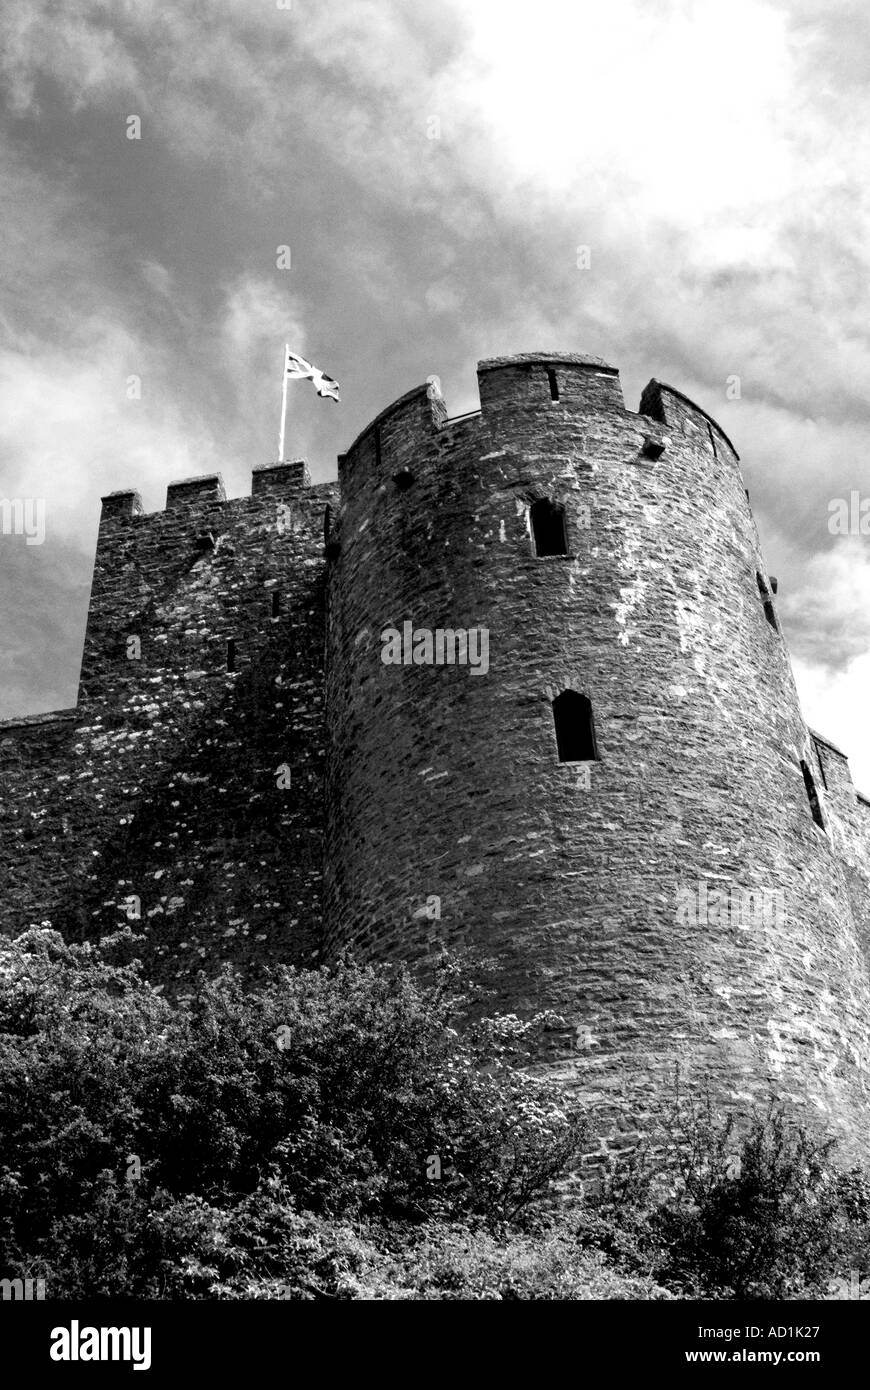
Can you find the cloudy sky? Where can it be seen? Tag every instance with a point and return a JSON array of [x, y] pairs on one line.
[[433, 170]]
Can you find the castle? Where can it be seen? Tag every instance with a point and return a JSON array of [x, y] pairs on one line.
[[625, 808]]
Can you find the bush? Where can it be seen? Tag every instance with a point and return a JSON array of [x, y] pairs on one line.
[[770, 1215], [765, 1213], [350, 1133], [170, 1149], [543, 1266]]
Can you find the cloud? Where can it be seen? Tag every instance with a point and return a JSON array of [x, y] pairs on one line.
[[830, 607], [260, 316], [51, 446], [835, 705], [67, 349], [45, 603], [671, 101], [76, 49]]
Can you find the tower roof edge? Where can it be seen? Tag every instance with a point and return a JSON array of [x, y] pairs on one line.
[[571, 359]]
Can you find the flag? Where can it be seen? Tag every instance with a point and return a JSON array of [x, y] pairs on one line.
[[296, 368]]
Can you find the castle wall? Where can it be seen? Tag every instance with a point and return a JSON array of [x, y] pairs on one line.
[[696, 894], [162, 785], [34, 755], [444, 787], [849, 819]]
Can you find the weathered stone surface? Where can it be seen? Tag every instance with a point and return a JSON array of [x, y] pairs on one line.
[[446, 784], [448, 818], [162, 784]]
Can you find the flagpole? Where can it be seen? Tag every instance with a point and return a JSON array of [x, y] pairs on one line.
[[283, 407]]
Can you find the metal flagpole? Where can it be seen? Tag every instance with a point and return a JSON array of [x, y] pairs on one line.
[[283, 407]]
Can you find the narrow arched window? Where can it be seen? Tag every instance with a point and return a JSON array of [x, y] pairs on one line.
[[812, 795], [548, 527], [575, 730]]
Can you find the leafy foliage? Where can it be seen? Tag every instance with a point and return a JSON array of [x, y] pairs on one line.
[[350, 1133], [767, 1214], [169, 1149], [760, 1213]]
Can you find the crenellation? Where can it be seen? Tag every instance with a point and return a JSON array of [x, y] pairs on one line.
[[208, 488], [582, 384], [121, 505], [280, 477], [674, 409]]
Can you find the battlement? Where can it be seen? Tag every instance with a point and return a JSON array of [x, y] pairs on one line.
[[420, 411], [274, 480], [208, 488], [675, 410], [547, 381], [280, 477], [525, 380], [121, 505]]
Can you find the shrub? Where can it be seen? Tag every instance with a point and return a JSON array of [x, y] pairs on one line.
[[765, 1215], [167, 1149], [759, 1213], [541, 1266]]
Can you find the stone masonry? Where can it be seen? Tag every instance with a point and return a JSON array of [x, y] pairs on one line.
[[155, 801], [427, 805]]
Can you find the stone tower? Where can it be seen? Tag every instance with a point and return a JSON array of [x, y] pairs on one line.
[[626, 809]]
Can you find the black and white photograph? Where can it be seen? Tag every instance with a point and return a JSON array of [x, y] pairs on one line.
[[434, 677]]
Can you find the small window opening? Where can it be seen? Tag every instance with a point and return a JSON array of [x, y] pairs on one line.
[[332, 547], [548, 527], [276, 603], [231, 654], [403, 479], [575, 731], [813, 795], [653, 448], [554, 384], [769, 611]]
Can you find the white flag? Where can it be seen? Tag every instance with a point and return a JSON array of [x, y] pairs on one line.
[[296, 368]]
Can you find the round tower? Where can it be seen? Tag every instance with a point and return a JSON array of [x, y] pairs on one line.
[[608, 787]]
